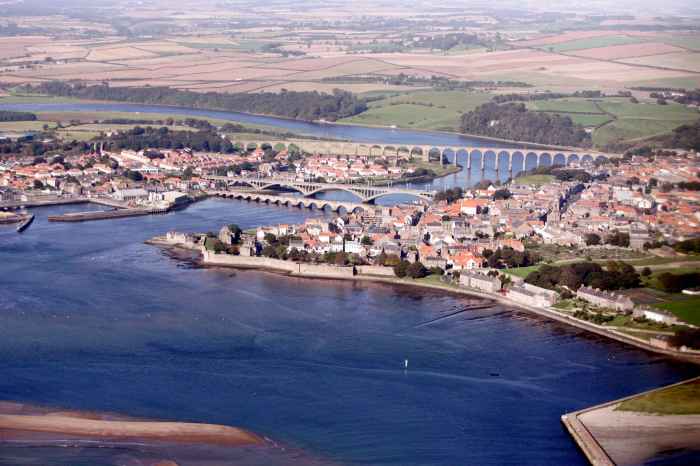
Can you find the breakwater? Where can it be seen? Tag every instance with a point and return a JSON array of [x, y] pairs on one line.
[[610, 436], [104, 215]]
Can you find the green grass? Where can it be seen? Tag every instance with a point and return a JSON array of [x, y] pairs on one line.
[[618, 119], [568, 105], [535, 180], [68, 135], [521, 272], [652, 280], [20, 126], [685, 307], [427, 109], [592, 42], [664, 260], [623, 108], [589, 121], [33, 99], [638, 121], [582, 111], [680, 399]]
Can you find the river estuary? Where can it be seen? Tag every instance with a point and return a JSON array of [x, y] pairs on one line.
[[464, 178], [91, 318]]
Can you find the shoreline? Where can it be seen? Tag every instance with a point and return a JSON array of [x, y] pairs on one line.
[[688, 356], [520, 144]]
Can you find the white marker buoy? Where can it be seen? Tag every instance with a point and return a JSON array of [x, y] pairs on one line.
[[405, 363]]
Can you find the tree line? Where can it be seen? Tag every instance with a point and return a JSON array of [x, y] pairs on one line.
[[618, 275], [9, 115], [517, 123], [307, 105], [140, 138]]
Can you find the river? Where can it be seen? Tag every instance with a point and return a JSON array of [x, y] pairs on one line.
[[91, 318], [464, 178]]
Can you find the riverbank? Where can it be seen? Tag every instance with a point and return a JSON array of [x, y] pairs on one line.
[[609, 434], [330, 131], [386, 275], [510, 142]]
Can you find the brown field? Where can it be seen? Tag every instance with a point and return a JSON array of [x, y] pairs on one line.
[[11, 47], [614, 52], [680, 61], [566, 37], [211, 60], [118, 53]]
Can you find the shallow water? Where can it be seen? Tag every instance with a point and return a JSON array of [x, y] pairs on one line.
[[91, 318]]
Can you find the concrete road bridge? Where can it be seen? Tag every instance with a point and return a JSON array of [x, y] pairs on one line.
[[367, 193], [485, 157], [292, 201]]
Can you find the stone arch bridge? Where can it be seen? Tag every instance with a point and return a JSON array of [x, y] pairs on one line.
[[491, 157], [367, 193], [291, 201]]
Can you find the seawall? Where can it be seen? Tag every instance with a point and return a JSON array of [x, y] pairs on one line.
[[386, 275]]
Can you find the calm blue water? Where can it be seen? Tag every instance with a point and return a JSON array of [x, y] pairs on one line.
[[91, 318]]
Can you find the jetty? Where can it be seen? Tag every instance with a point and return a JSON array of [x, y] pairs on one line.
[[105, 215]]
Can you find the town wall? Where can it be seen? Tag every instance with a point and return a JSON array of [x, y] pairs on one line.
[[379, 270]]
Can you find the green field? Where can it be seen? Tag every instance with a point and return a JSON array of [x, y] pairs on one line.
[[521, 272], [651, 280], [680, 399], [20, 126], [567, 105], [534, 180], [436, 110], [591, 43], [618, 119], [632, 129], [623, 108], [685, 307]]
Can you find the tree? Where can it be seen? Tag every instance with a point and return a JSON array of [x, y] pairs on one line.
[[687, 337], [618, 238], [214, 245], [38, 184], [646, 272], [417, 270], [592, 239], [236, 232], [401, 269], [366, 241], [187, 173]]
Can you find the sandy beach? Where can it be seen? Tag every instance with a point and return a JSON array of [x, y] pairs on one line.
[[17, 420]]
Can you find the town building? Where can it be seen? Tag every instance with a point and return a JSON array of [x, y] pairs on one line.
[[605, 299]]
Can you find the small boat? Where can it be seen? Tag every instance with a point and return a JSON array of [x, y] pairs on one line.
[[25, 223]]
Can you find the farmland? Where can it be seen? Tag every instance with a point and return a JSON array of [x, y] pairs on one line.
[[618, 119], [251, 49], [421, 109]]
